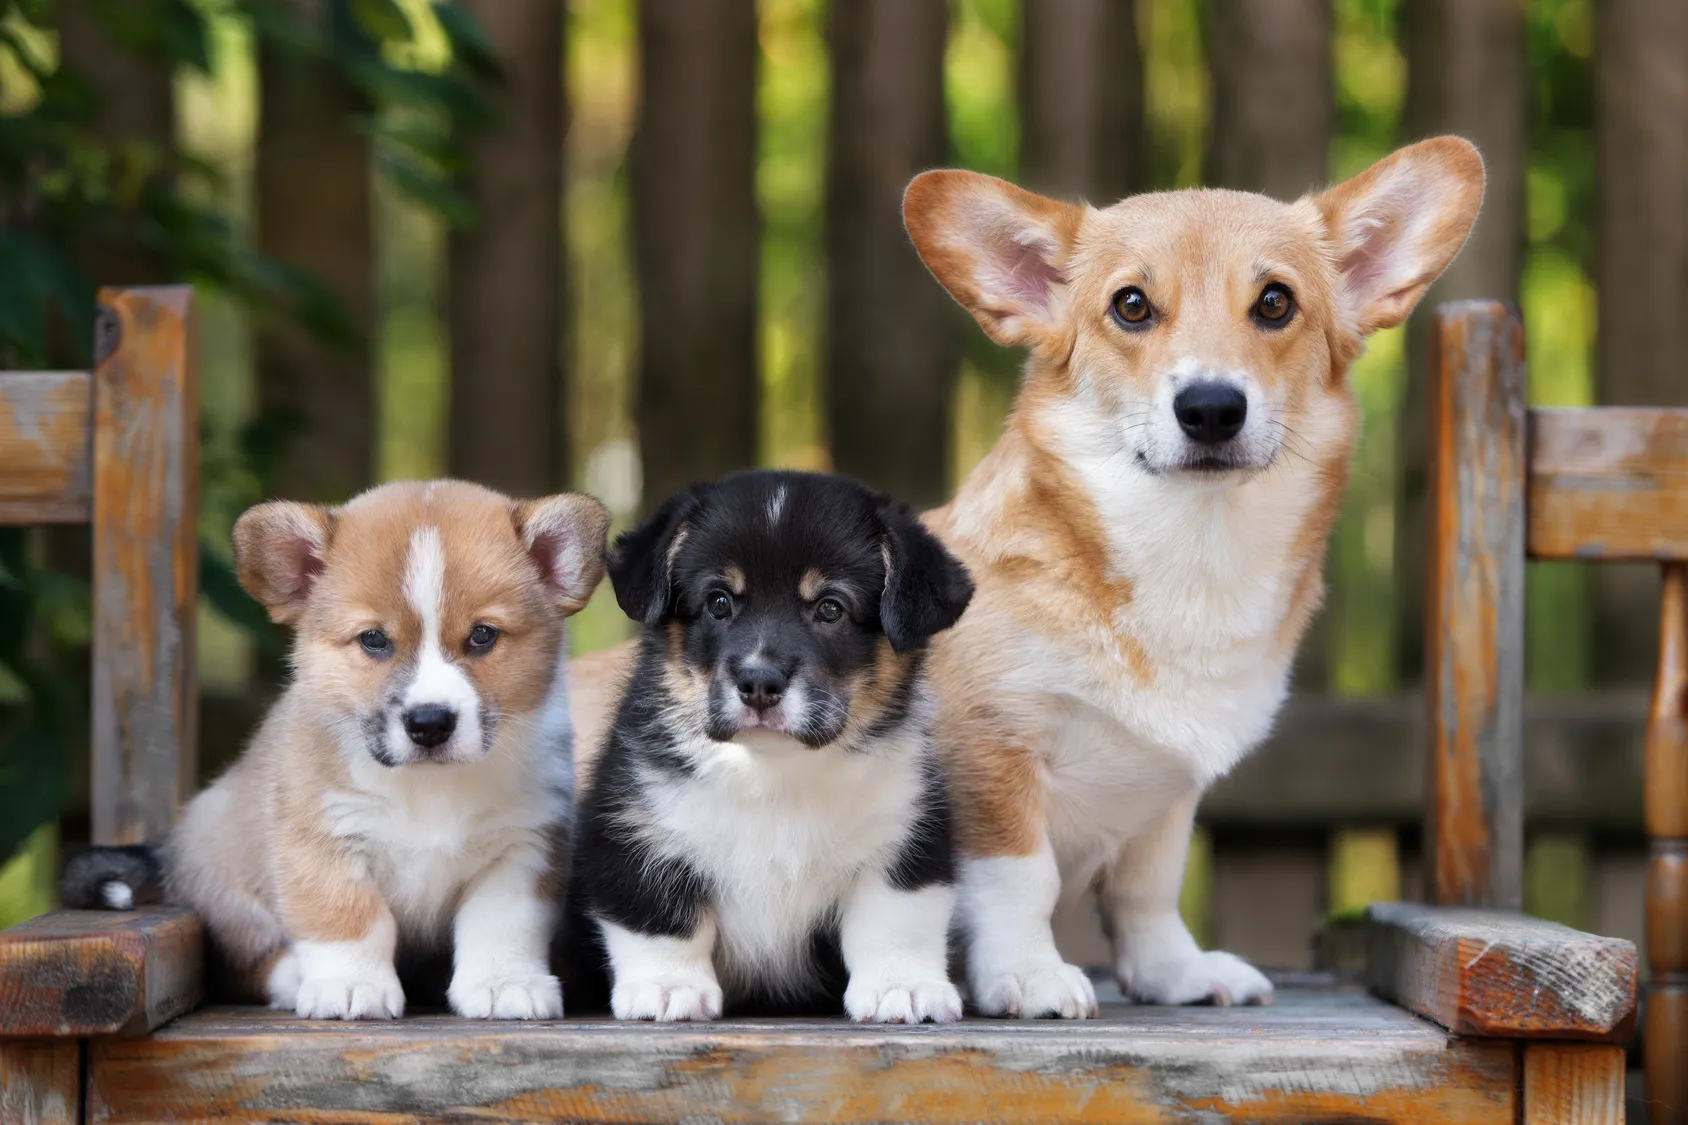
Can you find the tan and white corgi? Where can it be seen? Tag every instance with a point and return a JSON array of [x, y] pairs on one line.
[[410, 793], [1147, 538]]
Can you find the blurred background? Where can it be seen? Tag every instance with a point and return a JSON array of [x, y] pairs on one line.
[[619, 245]]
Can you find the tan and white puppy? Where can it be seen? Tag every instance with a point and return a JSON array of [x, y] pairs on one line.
[[410, 793], [1147, 537]]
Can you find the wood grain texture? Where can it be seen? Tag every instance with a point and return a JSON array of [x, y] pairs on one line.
[[1573, 1084], [1492, 972], [1310, 1058], [1665, 1033], [40, 1082], [146, 562], [1474, 653], [45, 474], [95, 972], [1608, 483]]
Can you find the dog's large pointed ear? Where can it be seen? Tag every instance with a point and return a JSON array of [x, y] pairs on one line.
[[279, 549], [564, 535], [641, 560], [1397, 225], [1002, 252], [926, 587]]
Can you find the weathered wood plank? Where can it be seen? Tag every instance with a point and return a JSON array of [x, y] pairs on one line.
[[1609, 482], [1307, 1059], [1492, 972], [1573, 1084], [44, 447], [1665, 1033], [41, 1082], [146, 561], [1474, 656], [91, 972]]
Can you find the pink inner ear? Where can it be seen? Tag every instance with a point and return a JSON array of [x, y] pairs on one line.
[[547, 551], [303, 563], [1027, 276]]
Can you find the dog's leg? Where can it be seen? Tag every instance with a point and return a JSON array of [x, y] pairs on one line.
[[342, 955], [657, 977], [500, 940], [895, 946], [1155, 958], [1013, 967]]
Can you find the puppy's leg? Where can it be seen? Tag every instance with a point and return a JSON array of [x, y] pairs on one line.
[[658, 977], [501, 938], [343, 940], [1155, 958], [1013, 967], [895, 947]]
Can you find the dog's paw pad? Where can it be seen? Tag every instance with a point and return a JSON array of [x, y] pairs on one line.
[[342, 998], [902, 1001], [535, 996], [1059, 991], [666, 1000], [1218, 978]]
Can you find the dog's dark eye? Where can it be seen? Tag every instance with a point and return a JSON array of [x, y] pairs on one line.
[[1131, 307], [375, 642], [482, 637], [828, 610], [719, 605], [1274, 306]]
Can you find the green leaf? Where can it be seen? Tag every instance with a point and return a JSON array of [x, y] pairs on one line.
[[470, 44], [383, 21]]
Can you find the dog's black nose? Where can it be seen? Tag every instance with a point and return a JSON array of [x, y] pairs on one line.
[[430, 724], [761, 687], [1210, 412]]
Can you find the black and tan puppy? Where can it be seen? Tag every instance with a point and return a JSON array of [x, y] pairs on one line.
[[766, 826]]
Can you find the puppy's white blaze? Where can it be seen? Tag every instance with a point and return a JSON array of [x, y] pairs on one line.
[[662, 978], [350, 980], [895, 946], [1013, 967], [437, 680], [776, 505]]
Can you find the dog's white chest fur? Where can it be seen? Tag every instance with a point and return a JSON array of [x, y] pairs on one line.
[[782, 832]]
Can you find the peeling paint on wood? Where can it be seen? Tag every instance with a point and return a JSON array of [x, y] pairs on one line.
[[44, 447], [1609, 482], [1475, 644], [1490, 972], [40, 1083], [91, 972], [1573, 1084], [1314, 1057], [146, 565]]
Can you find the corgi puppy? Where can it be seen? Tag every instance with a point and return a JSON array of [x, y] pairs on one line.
[[765, 826], [409, 793], [1148, 535]]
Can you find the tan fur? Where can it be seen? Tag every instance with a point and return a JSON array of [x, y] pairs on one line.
[[810, 585]]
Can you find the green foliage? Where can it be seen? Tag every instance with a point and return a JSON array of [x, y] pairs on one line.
[[69, 197]]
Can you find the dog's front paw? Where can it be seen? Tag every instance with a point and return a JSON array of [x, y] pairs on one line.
[[516, 996], [1037, 992], [375, 997], [666, 999], [898, 1001], [1207, 978]]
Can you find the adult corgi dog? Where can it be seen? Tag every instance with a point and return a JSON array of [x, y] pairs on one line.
[[410, 793], [1147, 537]]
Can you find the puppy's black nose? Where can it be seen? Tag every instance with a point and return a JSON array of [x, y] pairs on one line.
[[1210, 412], [761, 687], [430, 724]]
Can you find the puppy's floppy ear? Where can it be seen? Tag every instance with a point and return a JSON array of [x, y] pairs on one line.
[[564, 535], [642, 558], [1002, 252], [926, 587], [279, 549], [1397, 225]]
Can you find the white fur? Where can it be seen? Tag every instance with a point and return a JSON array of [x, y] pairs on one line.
[[437, 680], [663, 978], [349, 980], [776, 506], [117, 895], [501, 941], [1013, 967], [895, 948]]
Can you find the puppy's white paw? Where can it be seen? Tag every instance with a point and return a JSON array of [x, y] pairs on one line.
[[377, 997], [1037, 992], [281, 985], [1206, 978], [898, 1001], [666, 999], [516, 996]]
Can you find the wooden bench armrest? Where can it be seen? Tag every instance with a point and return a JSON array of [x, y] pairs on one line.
[[1500, 973], [87, 972]]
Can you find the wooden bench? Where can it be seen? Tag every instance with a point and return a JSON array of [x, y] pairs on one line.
[[1468, 1011]]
